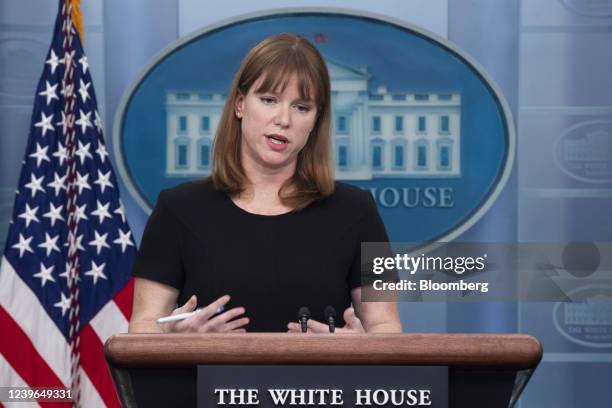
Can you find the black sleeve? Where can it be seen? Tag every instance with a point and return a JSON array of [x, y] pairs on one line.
[[159, 256], [371, 229]]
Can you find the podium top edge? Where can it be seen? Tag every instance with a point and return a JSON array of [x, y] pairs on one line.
[[466, 351]]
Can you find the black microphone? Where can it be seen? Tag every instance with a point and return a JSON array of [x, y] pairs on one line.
[[303, 316], [330, 317]]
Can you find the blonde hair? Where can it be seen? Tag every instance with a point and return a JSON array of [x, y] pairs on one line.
[[275, 60]]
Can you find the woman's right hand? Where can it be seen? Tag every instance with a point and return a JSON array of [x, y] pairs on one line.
[[204, 322]]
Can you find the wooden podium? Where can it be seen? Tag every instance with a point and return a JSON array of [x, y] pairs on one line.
[[484, 370]]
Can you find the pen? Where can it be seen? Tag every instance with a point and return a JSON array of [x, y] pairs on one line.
[[183, 316]]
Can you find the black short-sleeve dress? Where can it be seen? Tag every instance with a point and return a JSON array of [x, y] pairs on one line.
[[198, 241]]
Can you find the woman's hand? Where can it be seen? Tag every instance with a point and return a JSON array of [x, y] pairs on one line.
[[204, 322], [353, 325]]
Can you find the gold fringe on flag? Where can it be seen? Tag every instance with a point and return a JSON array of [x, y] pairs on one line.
[[77, 18]]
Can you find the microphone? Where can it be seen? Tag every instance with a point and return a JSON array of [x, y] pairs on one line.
[[303, 316], [330, 317]]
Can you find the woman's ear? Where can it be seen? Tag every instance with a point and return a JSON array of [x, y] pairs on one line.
[[239, 105]]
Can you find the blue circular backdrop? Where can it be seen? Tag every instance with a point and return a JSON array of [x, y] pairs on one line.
[[402, 58]]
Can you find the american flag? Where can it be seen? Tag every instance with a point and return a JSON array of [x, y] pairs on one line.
[[65, 283]]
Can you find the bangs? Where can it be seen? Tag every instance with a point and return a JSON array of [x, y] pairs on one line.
[[278, 72]]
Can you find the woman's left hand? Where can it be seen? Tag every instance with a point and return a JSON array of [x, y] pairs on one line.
[[353, 325]]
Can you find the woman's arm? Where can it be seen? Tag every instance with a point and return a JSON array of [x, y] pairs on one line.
[[152, 300], [376, 317]]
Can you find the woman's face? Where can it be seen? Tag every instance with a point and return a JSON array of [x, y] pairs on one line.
[[275, 125]]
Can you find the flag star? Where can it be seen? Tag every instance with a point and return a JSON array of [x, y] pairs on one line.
[[83, 152], [45, 123], [54, 214], [102, 211], [63, 123], [96, 272], [40, 154], [102, 152], [66, 273], [82, 183], [84, 121], [29, 215], [68, 58], [99, 242], [64, 303], [124, 240], [53, 61], [84, 64], [83, 90], [49, 92], [61, 153], [103, 180], [121, 211], [23, 245], [35, 184], [77, 245], [45, 274], [98, 122], [50, 244], [58, 183], [79, 213]]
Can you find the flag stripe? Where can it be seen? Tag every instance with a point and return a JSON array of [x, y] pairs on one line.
[[109, 321], [89, 394], [94, 364], [124, 299], [35, 324], [10, 378], [25, 360]]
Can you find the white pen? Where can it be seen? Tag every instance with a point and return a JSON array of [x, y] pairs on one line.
[[183, 316]]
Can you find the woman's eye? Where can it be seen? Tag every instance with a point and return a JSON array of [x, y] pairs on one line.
[[267, 100], [303, 108]]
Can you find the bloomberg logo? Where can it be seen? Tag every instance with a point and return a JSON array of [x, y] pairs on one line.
[[416, 121]]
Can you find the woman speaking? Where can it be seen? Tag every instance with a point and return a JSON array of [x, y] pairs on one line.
[[269, 231]]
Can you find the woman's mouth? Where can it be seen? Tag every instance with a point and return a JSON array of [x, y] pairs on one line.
[[278, 139], [277, 142]]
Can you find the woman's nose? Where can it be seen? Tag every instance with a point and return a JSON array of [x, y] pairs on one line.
[[283, 116]]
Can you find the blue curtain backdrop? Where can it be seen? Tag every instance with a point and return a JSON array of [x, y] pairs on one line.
[[551, 60]]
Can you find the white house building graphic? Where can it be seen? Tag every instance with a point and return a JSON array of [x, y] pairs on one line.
[[375, 135]]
